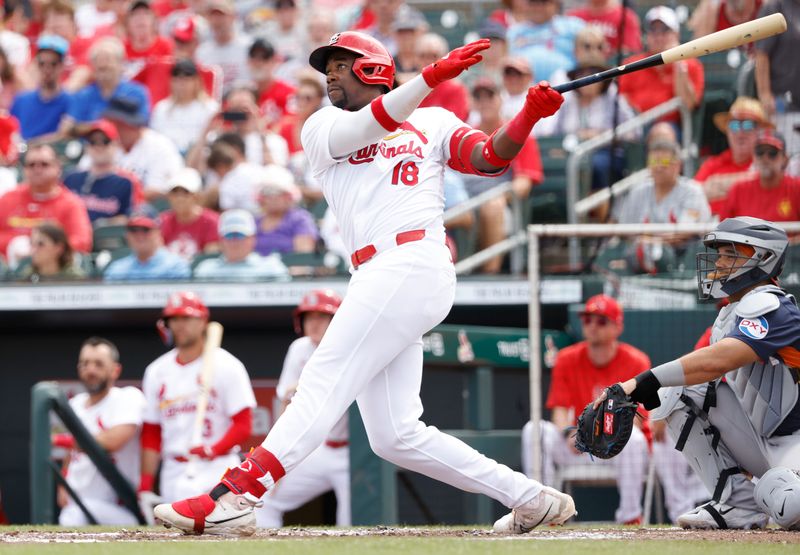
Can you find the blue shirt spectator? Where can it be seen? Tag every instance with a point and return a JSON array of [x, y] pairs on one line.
[[89, 104], [162, 265], [39, 111], [547, 46], [252, 267]]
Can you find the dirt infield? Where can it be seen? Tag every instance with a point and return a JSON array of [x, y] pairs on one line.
[[22, 536]]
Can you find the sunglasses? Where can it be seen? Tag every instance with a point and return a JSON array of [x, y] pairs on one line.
[[38, 164], [100, 142], [44, 63], [305, 97], [597, 319], [737, 125], [659, 161], [235, 236], [591, 46], [767, 151], [511, 72], [139, 229]]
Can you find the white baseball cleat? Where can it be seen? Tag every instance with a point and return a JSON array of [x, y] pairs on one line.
[[230, 515], [718, 516], [548, 507]]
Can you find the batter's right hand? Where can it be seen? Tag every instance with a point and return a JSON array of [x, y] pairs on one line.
[[542, 101], [454, 63]]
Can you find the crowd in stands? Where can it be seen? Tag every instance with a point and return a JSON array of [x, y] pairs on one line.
[[157, 118]]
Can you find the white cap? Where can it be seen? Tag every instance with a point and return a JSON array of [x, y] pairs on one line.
[[237, 221], [186, 178], [665, 15], [278, 178]]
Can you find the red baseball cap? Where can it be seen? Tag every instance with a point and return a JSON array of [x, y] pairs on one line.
[[604, 305], [105, 127], [183, 30], [772, 138]]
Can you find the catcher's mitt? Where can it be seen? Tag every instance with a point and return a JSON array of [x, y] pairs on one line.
[[604, 431]]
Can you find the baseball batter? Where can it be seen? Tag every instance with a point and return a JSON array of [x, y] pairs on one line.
[[749, 424], [380, 161], [172, 385], [113, 415], [328, 466]]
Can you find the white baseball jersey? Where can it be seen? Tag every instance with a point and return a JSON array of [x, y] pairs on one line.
[[121, 406], [388, 187], [298, 354], [172, 389]]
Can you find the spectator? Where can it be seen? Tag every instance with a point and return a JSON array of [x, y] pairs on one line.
[[715, 15], [93, 16], [148, 154], [39, 111], [408, 27], [184, 37], [186, 112], [187, 227], [517, 79], [545, 38], [580, 374], [52, 257], [771, 195], [665, 196], [113, 416], [451, 94], [321, 25], [149, 260], [777, 74], [88, 104], [12, 81], [39, 199], [308, 99], [238, 261], [273, 93], [589, 111], [283, 227], [590, 44], [58, 17], [386, 12], [108, 193], [142, 41], [650, 87], [492, 64], [608, 15], [226, 47], [526, 171], [513, 11], [234, 181], [741, 125], [16, 47], [286, 30]]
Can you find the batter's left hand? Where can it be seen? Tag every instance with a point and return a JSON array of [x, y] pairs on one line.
[[203, 451], [454, 63]]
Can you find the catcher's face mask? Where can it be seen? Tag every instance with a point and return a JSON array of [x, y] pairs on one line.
[[720, 266]]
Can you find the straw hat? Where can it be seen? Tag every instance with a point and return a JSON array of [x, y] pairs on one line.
[[743, 107]]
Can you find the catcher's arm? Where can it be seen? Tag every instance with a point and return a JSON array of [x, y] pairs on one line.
[[700, 366]]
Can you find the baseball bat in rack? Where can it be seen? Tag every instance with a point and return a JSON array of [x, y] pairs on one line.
[[731, 37]]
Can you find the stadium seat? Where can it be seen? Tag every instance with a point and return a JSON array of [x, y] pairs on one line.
[[108, 238], [548, 200], [198, 258]]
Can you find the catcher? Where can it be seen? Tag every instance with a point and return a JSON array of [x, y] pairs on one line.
[[742, 434]]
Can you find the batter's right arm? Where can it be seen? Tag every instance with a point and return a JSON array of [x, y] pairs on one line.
[[355, 130]]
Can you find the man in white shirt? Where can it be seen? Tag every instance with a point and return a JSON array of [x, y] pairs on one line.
[[113, 416], [227, 47]]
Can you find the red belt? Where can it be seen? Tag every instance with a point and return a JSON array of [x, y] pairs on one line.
[[365, 254], [337, 444]]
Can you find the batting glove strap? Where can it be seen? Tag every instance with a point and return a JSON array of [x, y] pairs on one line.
[[542, 101]]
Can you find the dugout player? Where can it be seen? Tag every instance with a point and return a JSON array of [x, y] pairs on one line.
[[380, 162], [328, 466], [113, 415], [172, 386], [748, 424]]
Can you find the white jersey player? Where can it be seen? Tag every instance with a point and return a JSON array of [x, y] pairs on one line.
[[172, 386], [380, 160], [328, 466], [113, 416]]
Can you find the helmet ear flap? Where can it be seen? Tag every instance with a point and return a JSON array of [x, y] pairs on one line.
[[164, 332]]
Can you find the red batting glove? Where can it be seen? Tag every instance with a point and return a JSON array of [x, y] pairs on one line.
[[65, 441], [204, 452], [542, 101], [454, 63]]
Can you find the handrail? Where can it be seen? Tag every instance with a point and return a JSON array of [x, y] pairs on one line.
[[587, 204], [586, 147]]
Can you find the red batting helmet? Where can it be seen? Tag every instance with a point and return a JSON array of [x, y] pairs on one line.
[[185, 304], [319, 300], [374, 65]]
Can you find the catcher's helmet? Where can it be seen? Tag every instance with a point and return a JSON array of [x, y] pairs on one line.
[[374, 65], [760, 253], [319, 300]]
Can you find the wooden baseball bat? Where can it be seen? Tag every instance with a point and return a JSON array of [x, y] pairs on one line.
[[732, 37], [214, 332]]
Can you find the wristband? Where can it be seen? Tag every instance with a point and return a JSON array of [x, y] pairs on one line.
[[670, 374], [146, 482], [491, 156], [520, 127], [646, 392]]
